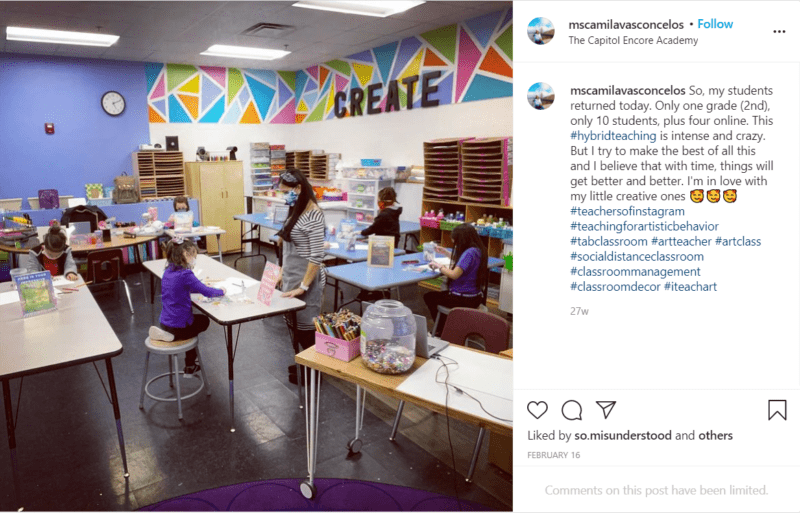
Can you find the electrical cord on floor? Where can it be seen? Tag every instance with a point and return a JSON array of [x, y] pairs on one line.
[[447, 416], [461, 391]]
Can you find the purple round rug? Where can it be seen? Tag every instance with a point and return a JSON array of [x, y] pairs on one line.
[[332, 495]]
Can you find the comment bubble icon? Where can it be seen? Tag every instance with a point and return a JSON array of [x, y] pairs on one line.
[[572, 410]]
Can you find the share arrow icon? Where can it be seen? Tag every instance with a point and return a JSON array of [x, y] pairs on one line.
[[607, 406]]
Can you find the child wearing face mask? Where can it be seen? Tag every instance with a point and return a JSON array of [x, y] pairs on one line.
[[179, 204], [178, 283], [53, 255], [387, 222]]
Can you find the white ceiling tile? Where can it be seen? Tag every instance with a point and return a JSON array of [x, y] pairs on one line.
[[176, 31], [128, 54], [250, 10], [386, 25], [351, 38], [133, 42], [94, 52], [25, 47], [432, 10]]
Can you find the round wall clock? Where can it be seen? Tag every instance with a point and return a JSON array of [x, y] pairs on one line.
[[113, 103]]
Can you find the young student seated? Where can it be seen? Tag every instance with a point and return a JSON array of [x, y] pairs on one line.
[[177, 285], [53, 255], [387, 222], [466, 274], [179, 204]]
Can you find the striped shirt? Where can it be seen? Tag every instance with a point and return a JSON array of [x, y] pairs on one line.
[[308, 236]]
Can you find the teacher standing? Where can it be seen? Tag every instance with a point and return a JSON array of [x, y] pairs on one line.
[[302, 273]]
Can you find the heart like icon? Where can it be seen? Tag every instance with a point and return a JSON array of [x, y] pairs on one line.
[[537, 409]]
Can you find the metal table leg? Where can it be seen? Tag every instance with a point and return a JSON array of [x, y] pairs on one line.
[[229, 344], [152, 288], [475, 454], [219, 247], [397, 420], [354, 445], [112, 385], [297, 350], [335, 295], [244, 241], [313, 381], [12, 442]]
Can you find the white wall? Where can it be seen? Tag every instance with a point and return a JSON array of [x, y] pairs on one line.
[[218, 136], [395, 137]]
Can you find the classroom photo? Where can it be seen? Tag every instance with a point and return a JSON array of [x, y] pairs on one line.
[[256, 255]]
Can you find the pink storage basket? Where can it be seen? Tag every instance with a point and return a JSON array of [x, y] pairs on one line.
[[337, 348]]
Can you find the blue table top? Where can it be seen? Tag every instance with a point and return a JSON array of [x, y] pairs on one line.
[[408, 227], [359, 255], [259, 219], [379, 278]]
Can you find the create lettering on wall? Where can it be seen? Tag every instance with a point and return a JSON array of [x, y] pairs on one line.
[[392, 96]]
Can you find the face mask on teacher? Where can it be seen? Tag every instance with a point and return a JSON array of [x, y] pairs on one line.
[[291, 198]]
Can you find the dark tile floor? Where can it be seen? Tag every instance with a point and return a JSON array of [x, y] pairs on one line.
[[68, 454]]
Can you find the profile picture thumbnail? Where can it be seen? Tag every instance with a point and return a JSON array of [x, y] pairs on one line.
[[541, 96], [541, 31]]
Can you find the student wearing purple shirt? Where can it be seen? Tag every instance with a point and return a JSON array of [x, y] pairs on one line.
[[468, 271], [178, 283]]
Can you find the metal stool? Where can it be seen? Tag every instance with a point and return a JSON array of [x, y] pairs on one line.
[[440, 310], [172, 350]]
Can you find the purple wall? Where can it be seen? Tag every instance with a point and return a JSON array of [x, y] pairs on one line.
[[88, 146]]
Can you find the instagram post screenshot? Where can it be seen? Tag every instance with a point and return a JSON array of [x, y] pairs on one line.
[[658, 365], [257, 255]]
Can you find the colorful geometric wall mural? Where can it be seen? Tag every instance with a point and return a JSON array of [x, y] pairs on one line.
[[182, 93], [475, 59]]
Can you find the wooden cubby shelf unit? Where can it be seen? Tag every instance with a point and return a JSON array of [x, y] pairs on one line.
[[159, 174], [472, 212]]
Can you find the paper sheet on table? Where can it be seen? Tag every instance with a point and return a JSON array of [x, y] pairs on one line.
[[63, 282], [233, 286], [486, 377], [362, 247], [333, 245], [197, 271], [7, 298]]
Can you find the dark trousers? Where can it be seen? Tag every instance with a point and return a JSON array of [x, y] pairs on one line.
[[199, 324], [448, 300]]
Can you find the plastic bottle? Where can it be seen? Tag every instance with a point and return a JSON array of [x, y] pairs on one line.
[[441, 214]]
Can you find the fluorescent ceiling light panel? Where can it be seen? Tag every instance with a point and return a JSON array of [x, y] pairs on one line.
[[59, 37], [244, 52], [365, 8]]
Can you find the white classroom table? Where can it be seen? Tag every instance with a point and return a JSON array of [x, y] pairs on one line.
[[231, 314], [37, 344], [485, 376]]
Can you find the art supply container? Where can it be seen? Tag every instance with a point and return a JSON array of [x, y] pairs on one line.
[[388, 337], [16, 272]]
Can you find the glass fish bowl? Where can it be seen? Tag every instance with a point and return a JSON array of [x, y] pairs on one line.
[[388, 337]]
